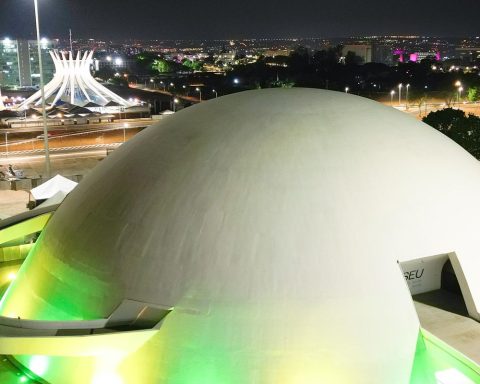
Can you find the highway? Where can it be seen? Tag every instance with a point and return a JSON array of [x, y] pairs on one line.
[[136, 123], [28, 157], [28, 141], [468, 108]]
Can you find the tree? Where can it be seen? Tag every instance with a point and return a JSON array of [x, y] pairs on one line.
[[352, 59], [454, 123], [105, 73], [192, 65], [162, 66], [472, 94]]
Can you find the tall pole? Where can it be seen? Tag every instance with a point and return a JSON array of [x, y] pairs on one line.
[[71, 45], [406, 98], [42, 90]]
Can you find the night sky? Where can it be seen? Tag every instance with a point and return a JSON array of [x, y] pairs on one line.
[[209, 19]]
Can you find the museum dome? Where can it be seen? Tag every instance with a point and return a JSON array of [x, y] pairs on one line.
[[272, 221]]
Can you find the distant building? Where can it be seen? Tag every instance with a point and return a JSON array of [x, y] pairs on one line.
[[404, 56], [277, 52], [416, 57], [468, 53], [382, 54], [19, 65], [114, 62], [74, 84], [364, 51]]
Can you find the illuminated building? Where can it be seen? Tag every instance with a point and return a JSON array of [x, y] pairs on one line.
[[19, 62], [262, 237], [363, 51], [73, 83]]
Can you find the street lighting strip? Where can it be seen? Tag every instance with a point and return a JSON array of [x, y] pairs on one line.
[[66, 135], [80, 147]]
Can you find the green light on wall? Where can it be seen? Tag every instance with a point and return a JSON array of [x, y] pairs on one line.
[[436, 362]]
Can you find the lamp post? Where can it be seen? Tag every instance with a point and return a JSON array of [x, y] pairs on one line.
[[458, 84], [42, 91], [347, 89], [392, 93], [460, 90], [6, 144], [200, 92], [175, 102], [400, 94], [125, 125], [406, 97], [216, 93]]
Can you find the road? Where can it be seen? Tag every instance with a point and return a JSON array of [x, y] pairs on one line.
[[29, 157], [30, 140], [137, 123], [167, 93], [469, 108]]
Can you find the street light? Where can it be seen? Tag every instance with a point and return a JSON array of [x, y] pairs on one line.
[[392, 93], [400, 94], [347, 89], [42, 91], [125, 125], [406, 99], [460, 90], [200, 92], [6, 144], [216, 93], [175, 102]]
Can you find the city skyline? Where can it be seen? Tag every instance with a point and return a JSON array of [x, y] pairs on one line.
[[147, 19]]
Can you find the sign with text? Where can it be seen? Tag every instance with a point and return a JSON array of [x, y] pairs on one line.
[[425, 274]]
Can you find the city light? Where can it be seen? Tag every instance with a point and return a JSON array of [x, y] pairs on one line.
[[118, 61], [392, 93]]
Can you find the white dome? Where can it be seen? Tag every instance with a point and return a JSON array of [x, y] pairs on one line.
[[272, 221]]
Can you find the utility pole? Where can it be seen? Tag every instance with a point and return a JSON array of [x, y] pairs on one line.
[[42, 90]]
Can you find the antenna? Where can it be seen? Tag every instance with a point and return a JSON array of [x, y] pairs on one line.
[[71, 46]]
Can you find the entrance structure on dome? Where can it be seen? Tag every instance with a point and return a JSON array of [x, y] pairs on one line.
[[73, 83]]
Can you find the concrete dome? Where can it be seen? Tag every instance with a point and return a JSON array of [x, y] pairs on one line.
[[272, 221]]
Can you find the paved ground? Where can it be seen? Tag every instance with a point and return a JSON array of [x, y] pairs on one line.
[[12, 203], [62, 163], [461, 332]]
